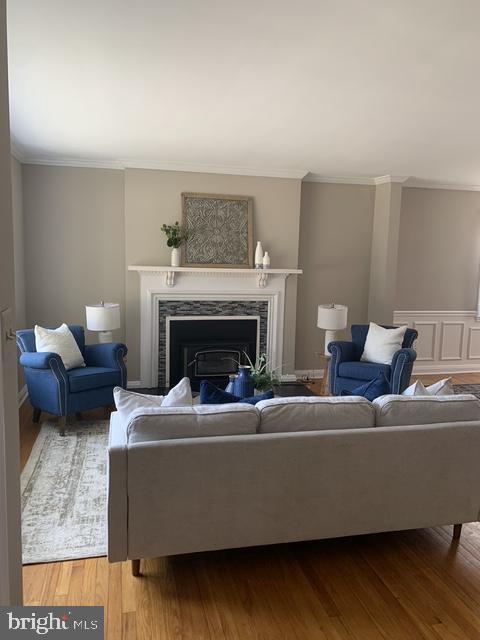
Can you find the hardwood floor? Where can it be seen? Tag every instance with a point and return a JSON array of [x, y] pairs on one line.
[[395, 586]]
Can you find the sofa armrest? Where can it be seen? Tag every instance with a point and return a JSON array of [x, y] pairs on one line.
[[117, 489], [45, 360], [342, 351], [402, 365]]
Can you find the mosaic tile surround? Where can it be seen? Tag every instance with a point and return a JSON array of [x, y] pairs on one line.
[[206, 308]]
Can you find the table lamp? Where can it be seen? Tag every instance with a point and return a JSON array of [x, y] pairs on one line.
[[103, 317], [333, 318]]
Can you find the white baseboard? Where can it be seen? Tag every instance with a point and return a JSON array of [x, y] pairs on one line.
[[311, 373], [134, 384], [22, 395]]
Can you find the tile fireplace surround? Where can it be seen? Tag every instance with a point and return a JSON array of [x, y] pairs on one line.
[[169, 291]]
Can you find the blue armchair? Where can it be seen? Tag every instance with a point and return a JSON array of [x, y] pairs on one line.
[[53, 389], [347, 371]]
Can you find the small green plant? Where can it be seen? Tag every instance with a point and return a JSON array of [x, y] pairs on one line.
[[176, 236], [263, 377]]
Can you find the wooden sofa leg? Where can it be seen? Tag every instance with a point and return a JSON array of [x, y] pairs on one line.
[[136, 568], [36, 415], [62, 422], [457, 530]]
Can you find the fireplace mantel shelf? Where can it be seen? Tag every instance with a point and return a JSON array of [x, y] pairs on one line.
[[261, 275]]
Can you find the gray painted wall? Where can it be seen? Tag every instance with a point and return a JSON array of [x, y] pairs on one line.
[[74, 243], [335, 239], [439, 250]]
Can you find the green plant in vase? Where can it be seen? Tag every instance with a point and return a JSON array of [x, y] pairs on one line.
[[263, 377], [176, 236]]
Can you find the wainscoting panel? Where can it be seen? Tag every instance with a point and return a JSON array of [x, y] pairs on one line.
[[448, 341]]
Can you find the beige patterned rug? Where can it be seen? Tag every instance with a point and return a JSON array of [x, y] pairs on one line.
[[64, 494]]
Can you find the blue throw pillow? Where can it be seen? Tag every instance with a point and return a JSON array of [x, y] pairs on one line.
[[210, 394], [380, 386], [268, 395]]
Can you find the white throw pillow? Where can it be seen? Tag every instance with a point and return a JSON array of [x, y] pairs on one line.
[[129, 401], [382, 344], [441, 388], [60, 341], [180, 395], [416, 389]]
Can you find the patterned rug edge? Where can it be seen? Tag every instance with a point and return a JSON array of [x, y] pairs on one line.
[[27, 474]]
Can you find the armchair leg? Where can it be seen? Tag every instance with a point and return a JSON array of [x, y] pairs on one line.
[[136, 568], [62, 423], [78, 415], [36, 415], [457, 531]]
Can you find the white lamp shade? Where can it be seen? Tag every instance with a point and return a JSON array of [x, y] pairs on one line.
[[103, 317], [332, 317]]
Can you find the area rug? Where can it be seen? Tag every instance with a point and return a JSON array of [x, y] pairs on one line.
[[64, 494], [467, 388]]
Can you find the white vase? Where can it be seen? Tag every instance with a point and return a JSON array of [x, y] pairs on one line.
[[266, 260], [175, 258], [259, 256]]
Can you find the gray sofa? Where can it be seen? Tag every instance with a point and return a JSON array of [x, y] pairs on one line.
[[191, 479]]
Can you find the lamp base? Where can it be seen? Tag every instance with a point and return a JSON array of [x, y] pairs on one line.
[[105, 336], [330, 336]]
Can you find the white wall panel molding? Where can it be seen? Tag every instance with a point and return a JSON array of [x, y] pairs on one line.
[[448, 341]]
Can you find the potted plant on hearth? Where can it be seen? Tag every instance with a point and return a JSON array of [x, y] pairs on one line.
[[263, 377], [176, 236]]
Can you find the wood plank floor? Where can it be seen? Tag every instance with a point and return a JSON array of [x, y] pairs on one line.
[[406, 585]]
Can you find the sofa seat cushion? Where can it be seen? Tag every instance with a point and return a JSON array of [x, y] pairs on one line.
[[165, 423], [92, 378], [363, 370], [315, 414], [397, 411]]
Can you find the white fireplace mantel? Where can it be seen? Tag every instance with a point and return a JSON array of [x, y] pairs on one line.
[[169, 273], [206, 283]]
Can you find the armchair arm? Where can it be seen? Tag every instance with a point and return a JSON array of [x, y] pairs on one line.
[[47, 381], [45, 360], [402, 365], [108, 354], [342, 351]]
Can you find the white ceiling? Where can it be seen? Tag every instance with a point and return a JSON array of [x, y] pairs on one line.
[[269, 87]]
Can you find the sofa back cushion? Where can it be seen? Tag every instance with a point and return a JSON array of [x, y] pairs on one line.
[[396, 411], [164, 423], [315, 413]]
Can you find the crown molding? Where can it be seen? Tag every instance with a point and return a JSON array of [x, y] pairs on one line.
[[416, 183], [318, 177], [130, 163], [16, 152], [260, 172], [389, 179], [133, 163], [73, 162]]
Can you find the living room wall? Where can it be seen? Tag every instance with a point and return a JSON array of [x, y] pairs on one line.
[[153, 197], [336, 224], [73, 241], [439, 250]]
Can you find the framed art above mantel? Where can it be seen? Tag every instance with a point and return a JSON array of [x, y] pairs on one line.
[[219, 230]]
